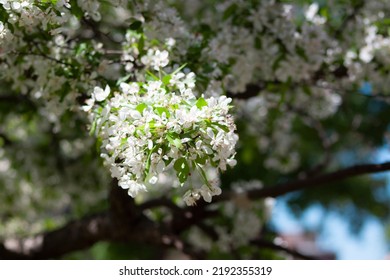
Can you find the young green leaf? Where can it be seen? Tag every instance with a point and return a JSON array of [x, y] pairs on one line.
[[175, 141], [166, 79], [182, 169], [201, 103], [161, 110], [141, 107]]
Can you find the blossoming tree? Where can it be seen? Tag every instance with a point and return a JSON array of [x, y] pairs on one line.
[[175, 124]]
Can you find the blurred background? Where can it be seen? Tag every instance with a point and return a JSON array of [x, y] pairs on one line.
[[330, 235]]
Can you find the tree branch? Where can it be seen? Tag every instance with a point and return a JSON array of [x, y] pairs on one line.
[[76, 235], [17, 99], [282, 189], [270, 245], [191, 214], [82, 234], [121, 223], [251, 90]]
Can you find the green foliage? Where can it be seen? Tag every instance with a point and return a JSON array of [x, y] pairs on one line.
[[182, 169], [136, 25], [201, 103]]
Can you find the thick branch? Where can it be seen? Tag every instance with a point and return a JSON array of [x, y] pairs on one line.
[[17, 100], [76, 235], [320, 180], [191, 212], [251, 90], [121, 223], [84, 233], [270, 245]]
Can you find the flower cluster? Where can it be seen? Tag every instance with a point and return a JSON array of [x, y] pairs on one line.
[[155, 126]]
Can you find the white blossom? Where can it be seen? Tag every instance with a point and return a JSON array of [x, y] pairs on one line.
[[99, 94]]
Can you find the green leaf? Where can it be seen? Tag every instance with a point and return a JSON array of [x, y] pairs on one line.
[[148, 161], [324, 12], [182, 169], [141, 45], [168, 161], [221, 126], [166, 79], [81, 48], [141, 107], [301, 52], [65, 89], [229, 11], [151, 77], [75, 9], [123, 79], [50, 1], [277, 61], [161, 110], [206, 30], [175, 141], [201, 160], [306, 90], [136, 25], [201, 103], [204, 176], [93, 127], [179, 69], [214, 163]]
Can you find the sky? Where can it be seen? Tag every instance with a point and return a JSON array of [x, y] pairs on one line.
[[336, 237], [370, 244]]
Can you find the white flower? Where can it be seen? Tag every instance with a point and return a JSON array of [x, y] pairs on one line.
[[64, 3], [132, 88], [133, 187], [6, 4], [16, 6], [170, 42], [206, 193], [116, 171], [160, 166], [232, 162], [161, 60], [311, 11], [156, 59], [99, 94], [91, 8], [191, 197], [3, 30], [88, 104]]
